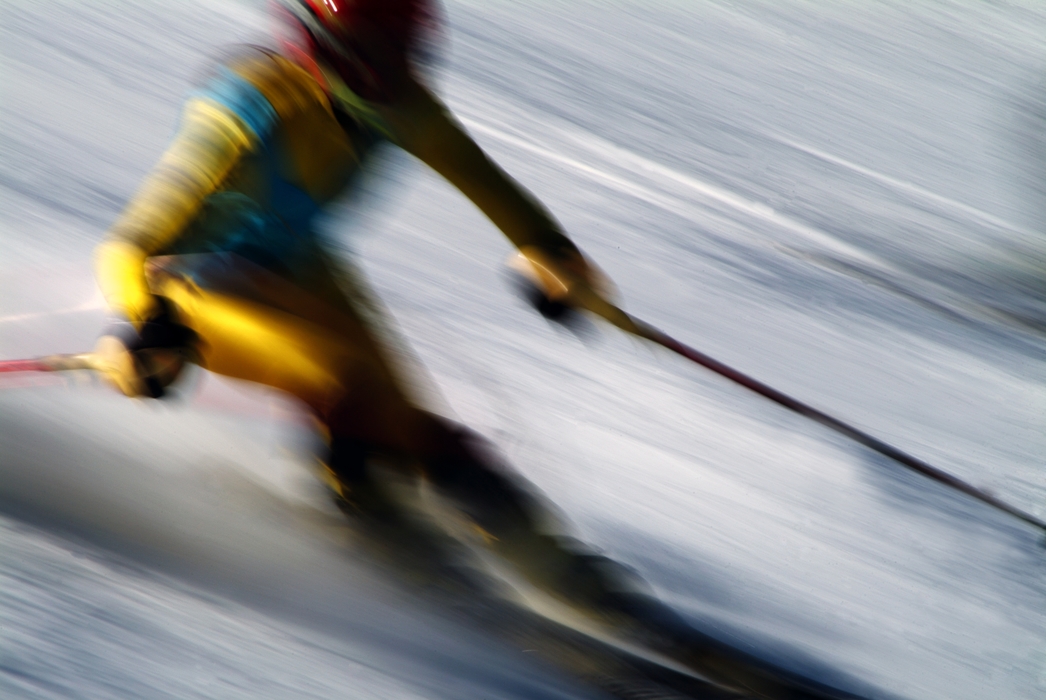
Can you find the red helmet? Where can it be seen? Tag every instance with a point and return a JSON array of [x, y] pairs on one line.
[[370, 43]]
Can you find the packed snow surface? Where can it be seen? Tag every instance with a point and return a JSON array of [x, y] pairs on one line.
[[844, 200]]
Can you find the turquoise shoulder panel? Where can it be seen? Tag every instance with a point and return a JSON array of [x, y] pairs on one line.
[[244, 100]]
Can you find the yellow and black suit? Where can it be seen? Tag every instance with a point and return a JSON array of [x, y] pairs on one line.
[[230, 210], [223, 228]]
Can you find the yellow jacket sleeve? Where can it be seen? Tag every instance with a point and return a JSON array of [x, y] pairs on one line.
[[209, 144], [424, 127]]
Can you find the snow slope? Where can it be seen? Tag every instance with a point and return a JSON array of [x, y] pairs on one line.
[[841, 199]]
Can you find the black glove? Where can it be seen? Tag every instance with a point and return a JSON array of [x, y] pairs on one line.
[[142, 362]]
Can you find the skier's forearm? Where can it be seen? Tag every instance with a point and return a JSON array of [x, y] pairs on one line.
[[428, 131]]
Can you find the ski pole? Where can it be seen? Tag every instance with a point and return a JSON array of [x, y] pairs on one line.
[[628, 323], [632, 325], [50, 363]]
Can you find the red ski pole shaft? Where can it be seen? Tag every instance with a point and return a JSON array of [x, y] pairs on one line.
[[51, 363], [632, 325]]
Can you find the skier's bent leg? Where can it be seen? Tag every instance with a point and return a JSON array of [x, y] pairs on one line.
[[466, 471], [334, 369], [523, 530], [350, 389]]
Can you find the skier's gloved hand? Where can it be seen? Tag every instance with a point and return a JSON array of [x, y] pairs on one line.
[[558, 283], [143, 360]]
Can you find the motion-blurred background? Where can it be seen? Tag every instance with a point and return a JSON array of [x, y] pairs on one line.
[[846, 200]]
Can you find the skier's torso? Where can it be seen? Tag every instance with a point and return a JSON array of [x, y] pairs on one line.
[[302, 156], [261, 152]]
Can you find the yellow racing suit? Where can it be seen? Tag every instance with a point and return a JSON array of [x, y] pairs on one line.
[[223, 228], [230, 210]]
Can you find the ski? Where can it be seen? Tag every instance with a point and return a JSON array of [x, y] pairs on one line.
[[437, 556]]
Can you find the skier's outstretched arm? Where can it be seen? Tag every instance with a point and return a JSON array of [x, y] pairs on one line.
[[424, 127]]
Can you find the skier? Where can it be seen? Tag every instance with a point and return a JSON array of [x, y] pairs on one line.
[[216, 259]]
